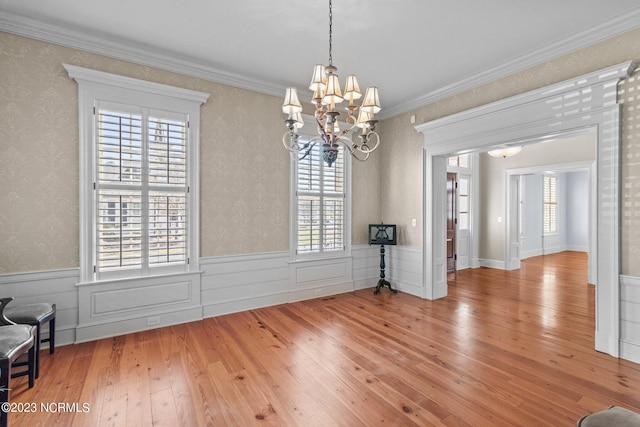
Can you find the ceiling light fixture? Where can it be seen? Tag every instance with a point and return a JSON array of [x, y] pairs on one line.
[[505, 152], [326, 95]]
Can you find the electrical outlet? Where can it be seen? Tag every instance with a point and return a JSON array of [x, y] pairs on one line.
[[154, 320]]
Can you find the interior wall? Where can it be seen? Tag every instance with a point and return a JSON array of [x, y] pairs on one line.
[[492, 184], [400, 181], [402, 139], [578, 210], [573, 215], [244, 182]]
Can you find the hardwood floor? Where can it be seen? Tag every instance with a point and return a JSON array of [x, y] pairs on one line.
[[503, 349]]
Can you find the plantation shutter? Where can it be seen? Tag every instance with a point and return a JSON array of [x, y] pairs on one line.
[[141, 189], [550, 197], [168, 191], [320, 203]]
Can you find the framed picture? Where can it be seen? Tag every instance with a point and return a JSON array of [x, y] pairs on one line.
[[382, 234]]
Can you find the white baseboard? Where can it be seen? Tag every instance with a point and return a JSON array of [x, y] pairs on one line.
[[492, 263], [531, 253], [577, 248], [553, 250], [92, 332]]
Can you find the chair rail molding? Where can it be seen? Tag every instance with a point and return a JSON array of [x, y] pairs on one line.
[[585, 102]]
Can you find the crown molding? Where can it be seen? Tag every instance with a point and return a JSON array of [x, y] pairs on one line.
[[171, 61], [125, 50], [598, 33]]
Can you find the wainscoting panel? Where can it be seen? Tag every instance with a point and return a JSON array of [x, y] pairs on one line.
[[366, 266], [404, 269], [630, 318], [122, 306], [55, 286], [243, 282], [317, 278], [227, 284]]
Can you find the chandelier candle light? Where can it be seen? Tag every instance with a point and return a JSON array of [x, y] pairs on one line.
[[326, 96]]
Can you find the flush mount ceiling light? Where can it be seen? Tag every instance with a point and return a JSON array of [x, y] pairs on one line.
[[505, 152], [326, 96]]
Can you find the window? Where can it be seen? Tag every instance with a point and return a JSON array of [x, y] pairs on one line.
[[463, 203], [141, 188], [321, 205], [139, 148], [550, 200], [461, 161]]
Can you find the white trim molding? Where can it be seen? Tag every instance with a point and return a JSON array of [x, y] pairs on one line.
[[585, 102], [630, 318], [88, 311], [172, 61], [243, 282], [93, 86], [53, 286], [404, 268], [117, 307]]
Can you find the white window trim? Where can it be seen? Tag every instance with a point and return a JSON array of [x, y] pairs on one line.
[[308, 130], [94, 85]]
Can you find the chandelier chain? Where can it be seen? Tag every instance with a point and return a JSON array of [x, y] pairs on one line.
[[330, 33]]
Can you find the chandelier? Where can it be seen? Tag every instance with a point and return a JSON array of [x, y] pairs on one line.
[[326, 96]]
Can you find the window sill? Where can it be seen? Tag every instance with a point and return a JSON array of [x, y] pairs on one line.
[[137, 278], [342, 255]]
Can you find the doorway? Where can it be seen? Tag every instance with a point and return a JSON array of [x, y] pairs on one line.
[[576, 228], [541, 113]]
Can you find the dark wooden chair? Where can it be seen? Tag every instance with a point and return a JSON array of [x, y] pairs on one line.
[[15, 341], [36, 315]]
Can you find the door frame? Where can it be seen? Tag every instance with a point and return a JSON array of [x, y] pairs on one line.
[[452, 199], [586, 102]]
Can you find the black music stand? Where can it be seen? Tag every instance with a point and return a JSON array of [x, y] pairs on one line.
[[382, 234]]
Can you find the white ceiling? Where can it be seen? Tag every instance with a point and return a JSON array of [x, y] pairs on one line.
[[415, 51]]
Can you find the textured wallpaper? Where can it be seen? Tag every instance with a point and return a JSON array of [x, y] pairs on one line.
[[405, 151], [244, 204], [244, 171]]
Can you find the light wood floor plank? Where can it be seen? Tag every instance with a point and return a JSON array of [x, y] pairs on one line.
[[504, 348]]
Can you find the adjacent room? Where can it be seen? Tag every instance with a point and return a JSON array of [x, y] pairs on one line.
[[206, 220]]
